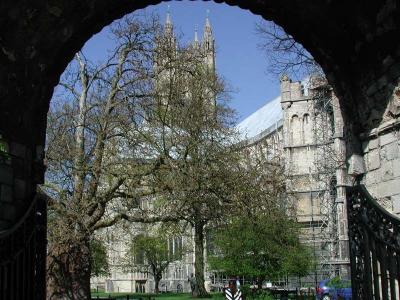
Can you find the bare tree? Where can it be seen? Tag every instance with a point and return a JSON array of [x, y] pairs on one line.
[[284, 54], [95, 174], [152, 121], [190, 127]]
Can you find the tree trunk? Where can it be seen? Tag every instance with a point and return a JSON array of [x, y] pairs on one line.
[[68, 271], [259, 283], [199, 261], [79, 173], [157, 279]]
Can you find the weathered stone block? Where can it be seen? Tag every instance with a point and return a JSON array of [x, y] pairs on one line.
[[373, 144], [396, 167], [342, 178], [285, 96], [396, 204], [392, 151], [388, 138], [365, 147], [6, 174], [373, 160], [386, 203], [356, 165], [388, 188], [373, 189], [371, 177], [386, 172]]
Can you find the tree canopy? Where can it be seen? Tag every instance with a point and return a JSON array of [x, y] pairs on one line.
[[264, 247], [99, 261], [260, 237]]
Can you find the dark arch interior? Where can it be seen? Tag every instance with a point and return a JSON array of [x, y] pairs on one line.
[[357, 45], [353, 43]]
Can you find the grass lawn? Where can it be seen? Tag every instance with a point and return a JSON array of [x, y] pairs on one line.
[[186, 297], [164, 296]]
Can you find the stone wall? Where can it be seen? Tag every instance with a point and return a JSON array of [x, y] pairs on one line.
[[117, 240], [16, 176], [312, 162], [381, 151]]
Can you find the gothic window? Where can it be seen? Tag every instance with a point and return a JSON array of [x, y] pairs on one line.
[[139, 258], [291, 163], [331, 122], [332, 188], [307, 129], [210, 244], [178, 272], [178, 247], [175, 247], [295, 130]]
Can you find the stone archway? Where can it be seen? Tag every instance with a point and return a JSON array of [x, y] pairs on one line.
[[356, 44]]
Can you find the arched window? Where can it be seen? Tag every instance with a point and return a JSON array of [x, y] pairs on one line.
[[175, 248], [295, 130], [333, 188], [307, 129]]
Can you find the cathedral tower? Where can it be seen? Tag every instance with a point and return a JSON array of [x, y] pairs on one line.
[[208, 45], [166, 48]]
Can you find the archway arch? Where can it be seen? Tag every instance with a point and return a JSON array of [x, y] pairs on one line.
[[353, 43], [36, 52]]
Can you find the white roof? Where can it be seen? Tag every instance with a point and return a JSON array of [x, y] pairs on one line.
[[259, 121]]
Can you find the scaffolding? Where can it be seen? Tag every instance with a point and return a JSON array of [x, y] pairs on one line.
[[323, 180], [312, 165]]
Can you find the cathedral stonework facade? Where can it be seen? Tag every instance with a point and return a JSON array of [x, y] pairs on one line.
[[176, 276], [302, 129]]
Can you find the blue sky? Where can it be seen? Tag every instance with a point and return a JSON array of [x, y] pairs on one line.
[[238, 60]]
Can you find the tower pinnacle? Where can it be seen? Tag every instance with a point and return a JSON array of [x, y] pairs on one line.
[[196, 38], [208, 25], [208, 39], [168, 28], [208, 47]]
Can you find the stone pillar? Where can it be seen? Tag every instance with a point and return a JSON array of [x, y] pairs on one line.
[[341, 198], [22, 132], [18, 170]]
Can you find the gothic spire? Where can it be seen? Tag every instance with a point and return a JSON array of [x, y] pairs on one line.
[[208, 39], [196, 38], [208, 25], [168, 27]]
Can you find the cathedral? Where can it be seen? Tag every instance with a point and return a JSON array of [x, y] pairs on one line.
[[176, 277], [298, 129], [303, 130]]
